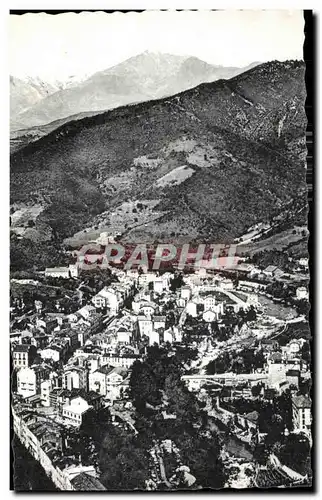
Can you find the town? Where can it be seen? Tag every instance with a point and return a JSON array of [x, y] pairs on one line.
[[160, 380]]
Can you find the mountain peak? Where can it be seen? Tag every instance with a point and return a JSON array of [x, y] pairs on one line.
[[143, 77]]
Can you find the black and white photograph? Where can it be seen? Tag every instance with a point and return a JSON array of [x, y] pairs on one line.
[[160, 335]]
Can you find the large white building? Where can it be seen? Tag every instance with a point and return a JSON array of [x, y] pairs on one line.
[[50, 353], [62, 272], [74, 412], [192, 309], [210, 304], [107, 297], [108, 381], [279, 369], [302, 293], [226, 284], [75, 377], [122, 360], [145, 308], [26, 382], [97, 380], [23, 355], [29, 380], [113, 296], [301, 410]]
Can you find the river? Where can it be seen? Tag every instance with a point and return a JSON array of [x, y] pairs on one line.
[[233, 445]]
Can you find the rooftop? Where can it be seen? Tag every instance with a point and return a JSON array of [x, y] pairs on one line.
[[268, 341], [120, 371], [22, 348], [85, 482], [78, 408], [89, 396], [129, 355], [275, 356], [87, 308], [293, 373], [105, 369], [301, 401], [56, 269], [270, 269], [252, 416]]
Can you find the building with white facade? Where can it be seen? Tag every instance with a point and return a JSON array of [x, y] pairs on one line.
[[97, 380], [113, 297], [158, 285], [302, 293], [145, 326], [154, 338], [301, 411], [74, 412], [185, 292], [191, 309], [29, 380], [209, 316], [62, 272], [122, 360], [23, 355], [109, 381], [46, 386], [75, 377]]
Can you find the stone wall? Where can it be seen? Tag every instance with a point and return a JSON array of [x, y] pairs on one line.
[[31, 443]]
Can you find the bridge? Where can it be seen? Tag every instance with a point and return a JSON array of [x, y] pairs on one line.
[[231, 379]]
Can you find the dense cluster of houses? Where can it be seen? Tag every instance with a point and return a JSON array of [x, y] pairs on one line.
[[284, 369], [73, 364]]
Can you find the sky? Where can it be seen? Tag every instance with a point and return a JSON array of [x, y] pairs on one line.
[[57, 47]]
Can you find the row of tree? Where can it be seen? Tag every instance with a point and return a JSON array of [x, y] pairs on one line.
[[244, 361], [156, 387]]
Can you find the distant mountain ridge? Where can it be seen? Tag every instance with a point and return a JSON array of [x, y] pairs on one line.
[[205, 164], [140, 78]]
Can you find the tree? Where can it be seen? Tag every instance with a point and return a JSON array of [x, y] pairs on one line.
[[202, 455], [124, 465], [162, 369], [96, 424], [261, 454], [143, 386], [221, 364], [176, 282], [306, 352], [181, 402], [251, 314], [256, 390], [303, 307], [296, 453]]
